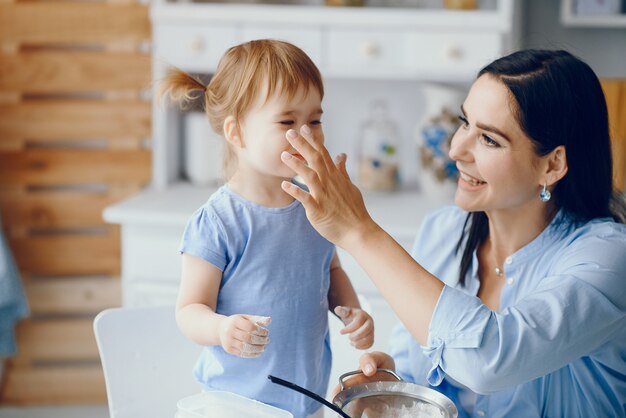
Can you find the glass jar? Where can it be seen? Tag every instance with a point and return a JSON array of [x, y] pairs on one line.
[[377, 153]]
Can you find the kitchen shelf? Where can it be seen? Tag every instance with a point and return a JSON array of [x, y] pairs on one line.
[[568, 18]]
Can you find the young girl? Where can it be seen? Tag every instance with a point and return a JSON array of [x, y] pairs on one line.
[[253, 268]]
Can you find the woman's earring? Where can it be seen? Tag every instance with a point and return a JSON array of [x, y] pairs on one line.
[[545, 195]]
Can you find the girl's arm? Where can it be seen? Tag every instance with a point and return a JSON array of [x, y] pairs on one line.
[[341, 292], [240, 335], [343, 302], [197, 298]]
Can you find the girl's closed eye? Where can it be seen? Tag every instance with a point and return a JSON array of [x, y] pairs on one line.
[[464, 121], [316, 122], [287, 122]]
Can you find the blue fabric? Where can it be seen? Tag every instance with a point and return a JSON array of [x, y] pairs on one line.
[[13, 305], [556, 347], [274, 264]]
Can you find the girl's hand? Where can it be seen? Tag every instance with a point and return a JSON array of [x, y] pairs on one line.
[[244, 335], [334, 205], [359, 325]]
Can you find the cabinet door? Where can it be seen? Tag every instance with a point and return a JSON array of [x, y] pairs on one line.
[[193, 47], [451, 54], [358, 53]]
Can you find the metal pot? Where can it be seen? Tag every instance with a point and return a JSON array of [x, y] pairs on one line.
[[392, 399]]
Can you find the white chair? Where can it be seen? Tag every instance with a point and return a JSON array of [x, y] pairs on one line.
[[147, 362]]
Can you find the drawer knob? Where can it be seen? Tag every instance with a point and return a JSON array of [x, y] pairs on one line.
[[197, 45], [454, 52], [370, 49]]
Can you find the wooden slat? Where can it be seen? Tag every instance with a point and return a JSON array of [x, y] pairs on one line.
[[615, 93], [41, 72], [50, 120], [50, 340], [78, 295], [54, 385], [68, 254], [73, 22], [49, 167], [57, 209]]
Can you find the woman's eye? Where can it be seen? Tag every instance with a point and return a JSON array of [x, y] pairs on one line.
[[464, 121], [315, 122], [489, 141], [286, 122]]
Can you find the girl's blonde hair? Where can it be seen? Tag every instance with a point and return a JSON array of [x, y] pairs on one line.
[[242, 72]]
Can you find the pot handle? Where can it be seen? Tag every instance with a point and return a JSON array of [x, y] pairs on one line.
[[343, 377]]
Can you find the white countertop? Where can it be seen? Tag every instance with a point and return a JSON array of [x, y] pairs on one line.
[[399, 213]]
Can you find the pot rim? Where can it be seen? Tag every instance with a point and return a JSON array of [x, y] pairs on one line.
[[400, 387]]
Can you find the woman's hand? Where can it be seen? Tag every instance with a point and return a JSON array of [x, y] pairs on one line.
[[334, 205], [368, 364], [359, 326], [244, 335]]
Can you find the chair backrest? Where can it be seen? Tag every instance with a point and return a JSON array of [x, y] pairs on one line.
[[147, 362]]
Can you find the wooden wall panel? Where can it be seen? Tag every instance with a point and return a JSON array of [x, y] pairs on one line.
[[41, 72], [42, 121], [56, 340], [57, 209], [75, 126], [68, 254], [615, 93], [50, 23], [72, 295], [61, 384], [48, 167]]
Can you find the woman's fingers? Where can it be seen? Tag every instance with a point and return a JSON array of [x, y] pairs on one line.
[[314, 154], [340, 163], [322, 158], [369, 362], [300, 167], [298, 194]]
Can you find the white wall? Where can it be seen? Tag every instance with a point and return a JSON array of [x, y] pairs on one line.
[[602, 48]]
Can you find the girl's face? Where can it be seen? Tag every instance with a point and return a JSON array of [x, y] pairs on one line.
[[265, 124], [498, 166]]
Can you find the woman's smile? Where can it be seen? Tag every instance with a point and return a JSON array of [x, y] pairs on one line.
[[469, 183]]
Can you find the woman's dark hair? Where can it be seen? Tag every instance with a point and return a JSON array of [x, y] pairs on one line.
[[558, 100]]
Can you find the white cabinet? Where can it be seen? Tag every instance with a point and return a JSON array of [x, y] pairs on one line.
[[345, 42]]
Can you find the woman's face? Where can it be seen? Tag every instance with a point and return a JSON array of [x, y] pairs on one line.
[[499, 169]]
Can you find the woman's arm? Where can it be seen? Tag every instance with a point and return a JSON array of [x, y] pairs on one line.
[[335, 208]]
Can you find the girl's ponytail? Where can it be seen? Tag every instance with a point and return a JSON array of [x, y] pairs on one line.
[[180, 87]]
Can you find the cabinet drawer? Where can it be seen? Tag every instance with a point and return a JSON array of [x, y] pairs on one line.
[[144, 294], [193, 47], [309, 40], [151, 253], [448, 54], [357, 53]]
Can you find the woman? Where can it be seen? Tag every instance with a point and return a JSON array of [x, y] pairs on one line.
[[514, 300]]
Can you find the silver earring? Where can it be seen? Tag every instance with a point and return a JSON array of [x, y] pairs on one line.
[[545, 195]]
